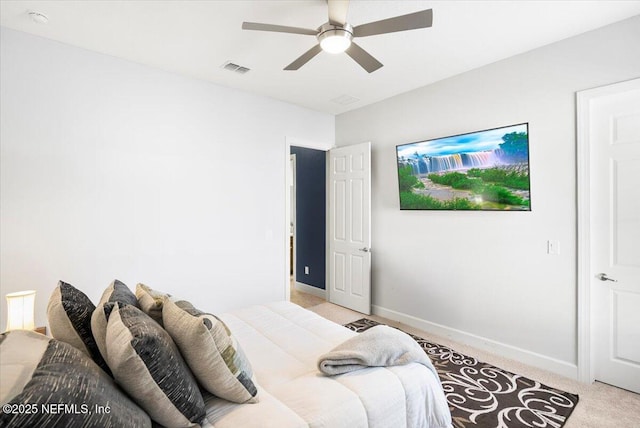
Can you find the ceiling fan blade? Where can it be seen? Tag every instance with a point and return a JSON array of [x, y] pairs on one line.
[[277, 28], [412, 21], [363, 58], [304, 58], [338, 11]]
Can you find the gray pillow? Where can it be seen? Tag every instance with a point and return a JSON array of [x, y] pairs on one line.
[[69, 313], [117, 291], [212, 352], [150, 301], [38, 371], [147, 364]]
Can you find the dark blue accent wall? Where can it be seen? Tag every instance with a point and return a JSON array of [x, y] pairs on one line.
[[310, 215]]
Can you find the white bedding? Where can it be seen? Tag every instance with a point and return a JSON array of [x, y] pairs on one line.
[[283, 343]]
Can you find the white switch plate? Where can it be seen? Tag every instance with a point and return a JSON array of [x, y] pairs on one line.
[[553, 247], [306, 270]]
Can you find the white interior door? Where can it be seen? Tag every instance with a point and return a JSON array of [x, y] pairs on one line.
[[614, 119], [350, 227]]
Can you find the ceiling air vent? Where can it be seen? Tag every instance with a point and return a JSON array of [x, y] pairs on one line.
[[345, 99], [235, 67]]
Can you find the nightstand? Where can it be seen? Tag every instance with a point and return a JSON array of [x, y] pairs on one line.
[[41, 330]]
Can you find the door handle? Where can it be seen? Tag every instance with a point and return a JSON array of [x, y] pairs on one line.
[[604, 277], [364, 249]]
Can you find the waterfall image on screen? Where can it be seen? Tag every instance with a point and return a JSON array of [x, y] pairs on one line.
[[483, 170]]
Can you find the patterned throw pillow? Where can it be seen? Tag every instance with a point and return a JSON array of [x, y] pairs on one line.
[[212, 352], [47, 384], [150, 301], [147, 364], [117, 291], [69, 313]]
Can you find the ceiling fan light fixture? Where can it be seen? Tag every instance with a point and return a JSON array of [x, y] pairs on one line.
[[335, 44], [335, 39]]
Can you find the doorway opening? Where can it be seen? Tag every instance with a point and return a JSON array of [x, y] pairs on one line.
[[306, 223]]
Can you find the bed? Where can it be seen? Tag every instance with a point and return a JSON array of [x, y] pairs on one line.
[[282, 342]]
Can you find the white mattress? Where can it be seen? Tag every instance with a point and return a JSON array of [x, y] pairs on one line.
[[283, 343]]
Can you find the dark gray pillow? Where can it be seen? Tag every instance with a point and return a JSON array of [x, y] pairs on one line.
[[117, 291], [38, 372], [69, 313], [147, 364]]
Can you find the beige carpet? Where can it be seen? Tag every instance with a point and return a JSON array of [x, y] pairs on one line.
[[600, 406], [305, 300]]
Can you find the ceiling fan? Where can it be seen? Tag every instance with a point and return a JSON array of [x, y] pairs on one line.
[[337, 35]]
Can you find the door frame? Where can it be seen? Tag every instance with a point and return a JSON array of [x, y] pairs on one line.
[[293, 211], [586, 360], [288, 142]]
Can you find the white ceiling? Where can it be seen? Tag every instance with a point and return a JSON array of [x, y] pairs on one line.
[[195, 38]]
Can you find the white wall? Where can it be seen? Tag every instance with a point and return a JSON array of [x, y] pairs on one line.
[[111, 170], [485, 276]]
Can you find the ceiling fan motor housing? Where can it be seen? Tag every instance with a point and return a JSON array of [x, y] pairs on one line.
[[335, 38]]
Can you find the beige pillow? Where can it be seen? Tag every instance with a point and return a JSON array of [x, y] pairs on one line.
[[117, 291], [150, 301], [69, 313], [213, 354], [147, 364]]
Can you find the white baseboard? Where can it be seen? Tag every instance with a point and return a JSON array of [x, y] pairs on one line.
[[522, 355], [309, 289]]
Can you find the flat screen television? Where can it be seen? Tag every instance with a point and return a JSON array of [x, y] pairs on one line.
[[482, 170]]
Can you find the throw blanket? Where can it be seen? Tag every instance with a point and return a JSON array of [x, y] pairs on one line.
[[379, 346]]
